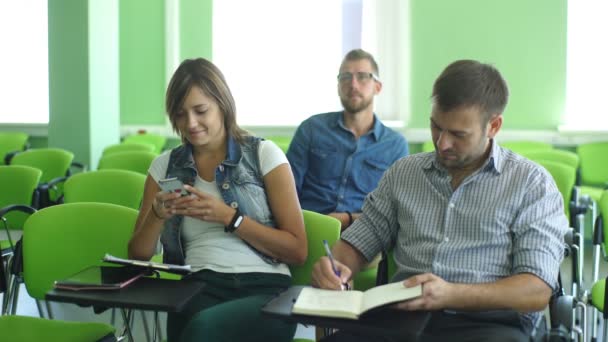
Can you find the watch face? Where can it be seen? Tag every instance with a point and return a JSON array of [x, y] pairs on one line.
[[238, 221]]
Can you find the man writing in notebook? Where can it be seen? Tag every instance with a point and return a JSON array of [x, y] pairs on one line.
[[338, 158], [479, 227]]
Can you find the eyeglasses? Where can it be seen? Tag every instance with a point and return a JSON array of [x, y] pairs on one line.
[[362, 77]]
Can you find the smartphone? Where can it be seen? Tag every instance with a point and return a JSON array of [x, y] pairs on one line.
[[172, 185]]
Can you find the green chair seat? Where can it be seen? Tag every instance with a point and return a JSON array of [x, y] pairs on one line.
[[366, 279], [26, 329]]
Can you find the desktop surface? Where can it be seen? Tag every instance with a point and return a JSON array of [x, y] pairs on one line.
[[144, 294]]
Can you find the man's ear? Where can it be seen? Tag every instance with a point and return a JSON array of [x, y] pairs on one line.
[[494, 125], [377, 87]]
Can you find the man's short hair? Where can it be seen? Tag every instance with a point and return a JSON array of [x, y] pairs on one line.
[[359, 54], [469, 83]]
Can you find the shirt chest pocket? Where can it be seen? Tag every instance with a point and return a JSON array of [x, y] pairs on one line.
[[371, 173], [325, 163]]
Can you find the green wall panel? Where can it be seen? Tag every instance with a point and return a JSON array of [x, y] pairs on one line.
[[142, 62], [196, 28], [68, 74], [525, 40]]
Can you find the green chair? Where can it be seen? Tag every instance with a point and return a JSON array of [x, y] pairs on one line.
[[319, 227], [17, 186], [86, 232], [11, 142], [120, 187], [157, 140], [561, 156], [594, 168], [137, 161], [55, 165], [565, 179], [600, 240], [281, 141], [524, 146], [428, 146], [25, 329], [128, 147]]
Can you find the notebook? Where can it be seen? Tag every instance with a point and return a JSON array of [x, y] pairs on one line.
[[100, 278]]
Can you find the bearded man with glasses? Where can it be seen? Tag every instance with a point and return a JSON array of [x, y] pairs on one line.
[[337, 158]]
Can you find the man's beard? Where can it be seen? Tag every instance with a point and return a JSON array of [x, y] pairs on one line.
[[356, 108]]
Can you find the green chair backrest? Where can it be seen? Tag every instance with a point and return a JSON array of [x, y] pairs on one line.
[[25, 329], [53, 162], [428, 146], [523, 146], [564, 177], [594, 163], [128, 147], [561, 156], [157, 140], [10, 142], [120, 187], [319, 227], [61, 240], [137, 161], [17, 185], [281, 141], [603, 209]]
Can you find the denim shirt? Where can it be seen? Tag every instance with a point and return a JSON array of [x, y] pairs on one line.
[[333, 170], [240, 182]]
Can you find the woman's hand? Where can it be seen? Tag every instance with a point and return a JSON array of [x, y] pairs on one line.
[[202, 206], [163, 201]]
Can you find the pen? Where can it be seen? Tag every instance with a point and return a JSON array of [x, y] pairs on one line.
[[333, 264]]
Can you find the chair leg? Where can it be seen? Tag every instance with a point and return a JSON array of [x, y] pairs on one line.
[[157, 328], [144, 322], [126, 317], [15, 284]]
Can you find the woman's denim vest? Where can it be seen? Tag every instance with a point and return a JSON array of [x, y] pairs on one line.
[[240, 182]]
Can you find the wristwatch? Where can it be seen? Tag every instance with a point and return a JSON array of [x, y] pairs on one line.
[[236, 221]]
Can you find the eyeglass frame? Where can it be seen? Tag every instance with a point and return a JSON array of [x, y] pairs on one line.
[[358, 76]]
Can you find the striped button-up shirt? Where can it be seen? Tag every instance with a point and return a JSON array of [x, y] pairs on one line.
[[504, 219]]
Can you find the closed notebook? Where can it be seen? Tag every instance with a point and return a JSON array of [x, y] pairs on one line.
[[351, 304], [100, 278]]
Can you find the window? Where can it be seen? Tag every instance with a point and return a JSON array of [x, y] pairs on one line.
[[587, 67], [24, 62], [282, 61]]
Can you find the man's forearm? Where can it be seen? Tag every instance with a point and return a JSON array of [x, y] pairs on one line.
[[349, 256], [522, 292]]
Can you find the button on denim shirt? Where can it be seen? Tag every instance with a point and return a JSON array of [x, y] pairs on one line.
[[240, 182]]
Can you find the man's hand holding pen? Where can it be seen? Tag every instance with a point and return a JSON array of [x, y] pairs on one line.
[[329, 273]]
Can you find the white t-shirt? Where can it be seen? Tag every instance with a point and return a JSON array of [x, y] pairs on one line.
[[206, 244]]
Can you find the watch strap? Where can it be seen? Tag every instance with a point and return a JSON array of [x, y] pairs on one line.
[[236, 221]]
